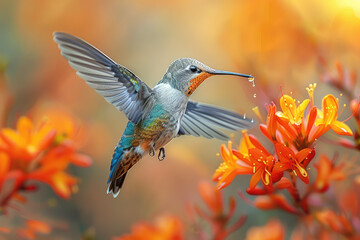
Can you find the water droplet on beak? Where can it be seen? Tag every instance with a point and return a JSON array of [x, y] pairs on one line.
[[252, 80]]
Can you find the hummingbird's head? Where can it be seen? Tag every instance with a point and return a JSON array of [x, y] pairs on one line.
[[186, 74]]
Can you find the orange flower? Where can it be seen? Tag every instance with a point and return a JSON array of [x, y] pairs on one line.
[[273, 201], [53, 166], [262, 163], [34, 227], [217, 216], [30, 153], [338, 223], [296, 162], [326, 173], [289, 127], [212, 197], [349, 204], [290, 112], [164, 228], [273, 230], [60, 119], [227, 170], [251, 158], [328, 117], [26, 143], [271, 123]]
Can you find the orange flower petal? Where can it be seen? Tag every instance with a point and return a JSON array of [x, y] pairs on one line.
[[165, 227], [11, 137], [245, 144], [80, 160], [288, 107], [301, 172], [27, 234], [330, 107], [255, 178], [305, 156], [224, 152], [311, 120], [277, 172], [38, 226], [284, 153], [62, 183], [264, 203], [326, 171], [5, 230], [341, 128], [264, 129], [43, 138], [212, 198], [25, 128], [301, 109], [337, 223], [226, 179], [273, 230], [258, 145], [271, 121], [283, 203], [4, 164]]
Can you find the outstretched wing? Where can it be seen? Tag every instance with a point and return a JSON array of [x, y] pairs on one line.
[[205, 121], [114, 82]]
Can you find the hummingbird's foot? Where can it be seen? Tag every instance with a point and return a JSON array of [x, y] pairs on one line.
[[152, 151], [161, 155]]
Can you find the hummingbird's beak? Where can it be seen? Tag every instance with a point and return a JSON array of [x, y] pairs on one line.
[[218, 72]]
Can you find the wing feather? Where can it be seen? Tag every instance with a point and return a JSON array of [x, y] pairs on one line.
[[118, 85], [205, 120]]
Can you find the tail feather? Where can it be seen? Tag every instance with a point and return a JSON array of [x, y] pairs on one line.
[[115, 186], [122, 161]]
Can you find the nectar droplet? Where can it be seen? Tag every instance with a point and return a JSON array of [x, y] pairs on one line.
[[254, 95], [252, 80]]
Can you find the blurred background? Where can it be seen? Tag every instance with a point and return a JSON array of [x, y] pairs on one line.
[[282, 43]]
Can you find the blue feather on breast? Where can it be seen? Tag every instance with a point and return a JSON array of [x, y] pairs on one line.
[[157, 113]]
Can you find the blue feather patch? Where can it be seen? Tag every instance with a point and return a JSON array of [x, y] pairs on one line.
[[124, 143]]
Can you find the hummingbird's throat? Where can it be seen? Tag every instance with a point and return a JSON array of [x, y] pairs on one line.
[[195, 82]]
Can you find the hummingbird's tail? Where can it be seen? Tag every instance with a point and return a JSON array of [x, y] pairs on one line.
[[124, 160], [124, 157]]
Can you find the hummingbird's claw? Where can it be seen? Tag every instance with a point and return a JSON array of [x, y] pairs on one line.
[[152, 151], [161, 155]]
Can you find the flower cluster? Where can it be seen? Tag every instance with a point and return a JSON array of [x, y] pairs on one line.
[[165, 227], [346, 83], [30, 231], [292, 131], [216, 216], [41, 153], [37, 149], [273, 230], [34, 227], [168, 227]]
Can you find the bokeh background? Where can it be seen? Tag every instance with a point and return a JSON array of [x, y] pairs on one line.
[[282, 43]]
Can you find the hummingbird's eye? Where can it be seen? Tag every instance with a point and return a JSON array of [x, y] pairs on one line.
[[193, 68]]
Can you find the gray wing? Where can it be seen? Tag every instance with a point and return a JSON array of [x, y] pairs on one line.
[[118, 85], [205, 121]]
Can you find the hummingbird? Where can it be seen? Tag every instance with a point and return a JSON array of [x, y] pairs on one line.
[[156, 115]]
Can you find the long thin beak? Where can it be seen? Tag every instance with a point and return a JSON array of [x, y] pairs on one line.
[[217, 72]]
